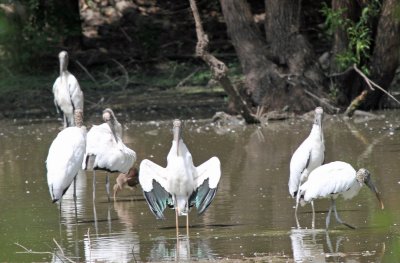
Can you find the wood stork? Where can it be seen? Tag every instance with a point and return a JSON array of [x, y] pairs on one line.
[[65, 158], [130, 180], [68, 96], [306, 158], [334, 179], [106, 151], [180, 185]]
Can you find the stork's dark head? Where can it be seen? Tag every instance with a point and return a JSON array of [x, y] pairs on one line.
[[364, 176], [319, 112]]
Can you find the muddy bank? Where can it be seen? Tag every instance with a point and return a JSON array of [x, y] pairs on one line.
[[140, 104]]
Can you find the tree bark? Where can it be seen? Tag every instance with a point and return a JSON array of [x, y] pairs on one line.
[[349, 83], [219, 69], [385, 57], [277, 71]]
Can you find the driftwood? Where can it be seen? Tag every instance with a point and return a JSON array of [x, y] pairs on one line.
[[219, 69], [355, 104]]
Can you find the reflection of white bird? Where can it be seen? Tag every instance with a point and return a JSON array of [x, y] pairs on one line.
[[334, 179], [65, 158], [181, 184], [306, 158], [68, 95], [106, 151]]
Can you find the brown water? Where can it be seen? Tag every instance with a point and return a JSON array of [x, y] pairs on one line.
[[251, 218]]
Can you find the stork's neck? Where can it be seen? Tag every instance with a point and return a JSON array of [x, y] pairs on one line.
[[317, 131]]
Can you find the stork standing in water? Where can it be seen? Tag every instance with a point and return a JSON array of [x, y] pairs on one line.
[[334, 179], [65, 158], [106, 151], [306, 158], [68, 96], [180, 185]]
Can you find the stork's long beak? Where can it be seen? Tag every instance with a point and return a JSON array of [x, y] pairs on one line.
[[177, 134], [62, 64], [375, 190]]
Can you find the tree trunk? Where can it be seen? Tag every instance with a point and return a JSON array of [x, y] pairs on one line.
[[385, 57], [276, 78], [349, 83]]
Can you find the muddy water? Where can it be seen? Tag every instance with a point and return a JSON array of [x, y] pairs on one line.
[[251, 218]]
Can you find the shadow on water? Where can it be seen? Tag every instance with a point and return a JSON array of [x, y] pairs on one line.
[[250, 219]]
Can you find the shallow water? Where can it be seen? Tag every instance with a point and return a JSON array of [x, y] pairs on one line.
[[252, 216]]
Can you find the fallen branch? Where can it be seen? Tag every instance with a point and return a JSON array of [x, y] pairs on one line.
[[30, 251], [355, 104], [370, 83], [219, 69]]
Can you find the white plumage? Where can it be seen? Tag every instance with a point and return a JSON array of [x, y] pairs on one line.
[[334, 179], [105, 149], [64, 160], [68, 95], [181, 184], [308, 156]]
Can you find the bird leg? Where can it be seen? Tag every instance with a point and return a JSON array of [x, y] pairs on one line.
[[187, 224], [295, 212], [338, 218], [313, 215], [328, 217], [75, 189], [176, 223], [94, 185], [108, 186]]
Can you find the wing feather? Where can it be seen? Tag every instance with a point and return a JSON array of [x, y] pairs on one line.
[[206, 182], [154, 184]]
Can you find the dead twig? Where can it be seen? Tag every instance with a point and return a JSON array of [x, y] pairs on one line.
[[125, 72], [355, 104], [331, 108], [88, 73], [183, 81], [370, 83], [30, 251]]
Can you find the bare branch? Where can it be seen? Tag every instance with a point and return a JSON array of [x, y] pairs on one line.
[[370, 83], [219, 69], [126, 74], [87, 73], [183, 81]]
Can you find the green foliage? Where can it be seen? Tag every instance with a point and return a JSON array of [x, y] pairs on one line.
[[358, 33], [32, 31], [333, 19]]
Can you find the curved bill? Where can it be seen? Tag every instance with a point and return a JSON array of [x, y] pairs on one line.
[[375, 190]]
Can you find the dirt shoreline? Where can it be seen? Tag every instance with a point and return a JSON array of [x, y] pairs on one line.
[[129, 105]]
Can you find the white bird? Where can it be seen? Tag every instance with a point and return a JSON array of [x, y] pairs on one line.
[[180, 185], [306, 158], [68, 96], [65, 158], [334, 179], [106, 151]]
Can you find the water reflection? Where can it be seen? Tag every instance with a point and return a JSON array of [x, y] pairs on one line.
[[181, 249], [252, 211], [308, 245], [119, 247]]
